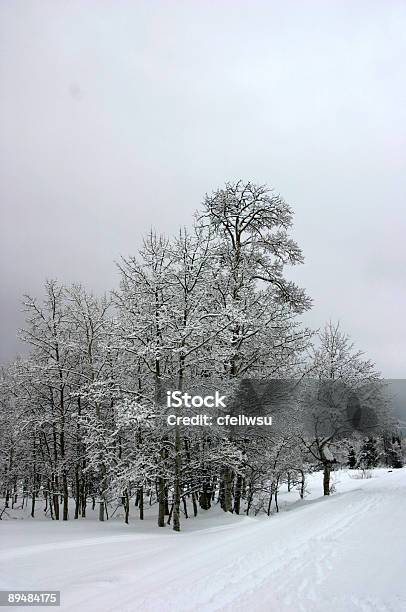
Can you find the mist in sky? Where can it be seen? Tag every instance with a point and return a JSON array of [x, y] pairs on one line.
[[119, 116]]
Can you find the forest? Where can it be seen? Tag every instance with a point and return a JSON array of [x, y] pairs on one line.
[[82, 412]]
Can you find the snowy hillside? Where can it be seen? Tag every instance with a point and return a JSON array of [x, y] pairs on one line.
[[340, 553]]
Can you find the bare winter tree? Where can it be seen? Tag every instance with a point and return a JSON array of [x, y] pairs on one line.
[[251, 225], [344, 393]]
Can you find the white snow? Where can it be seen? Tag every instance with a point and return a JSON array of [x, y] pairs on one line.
[[342, 553]]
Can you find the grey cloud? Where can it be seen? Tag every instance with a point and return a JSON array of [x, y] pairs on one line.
[[115, 117]]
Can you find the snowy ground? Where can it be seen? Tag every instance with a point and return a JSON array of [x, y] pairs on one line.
[[343, 553]]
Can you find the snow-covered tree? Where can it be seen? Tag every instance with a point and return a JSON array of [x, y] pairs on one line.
[[344, 394]]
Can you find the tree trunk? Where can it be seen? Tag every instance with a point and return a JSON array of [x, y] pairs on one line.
[[101, 510], [83, 498], [194, 504], [77, 492], [326, 478], [249, 500], [141, 502], [302, 484], [167, 512], [34, 479], [33, 502], [126, 504], [15, 495], [185, 506], [161, 500], [204, 497], [51, 510], [65, 496], [177, 486], [228, 490], [270, 501], [55, 497], [276, 494], [237, 496]]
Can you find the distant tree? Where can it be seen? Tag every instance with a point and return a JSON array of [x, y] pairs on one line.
[[393, 452], [352, 459], [368, 455]]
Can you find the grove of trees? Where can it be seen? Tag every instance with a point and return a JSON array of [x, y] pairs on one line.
[[82, 416]]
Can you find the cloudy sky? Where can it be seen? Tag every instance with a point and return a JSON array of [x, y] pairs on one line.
[[118, 116]]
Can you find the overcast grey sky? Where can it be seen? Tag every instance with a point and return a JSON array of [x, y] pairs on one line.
[[118, 116]]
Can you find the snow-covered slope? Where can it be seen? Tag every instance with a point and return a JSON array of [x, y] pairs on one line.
[[343, 553]]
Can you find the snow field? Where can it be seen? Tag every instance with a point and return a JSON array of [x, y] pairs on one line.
[[341, 554]]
